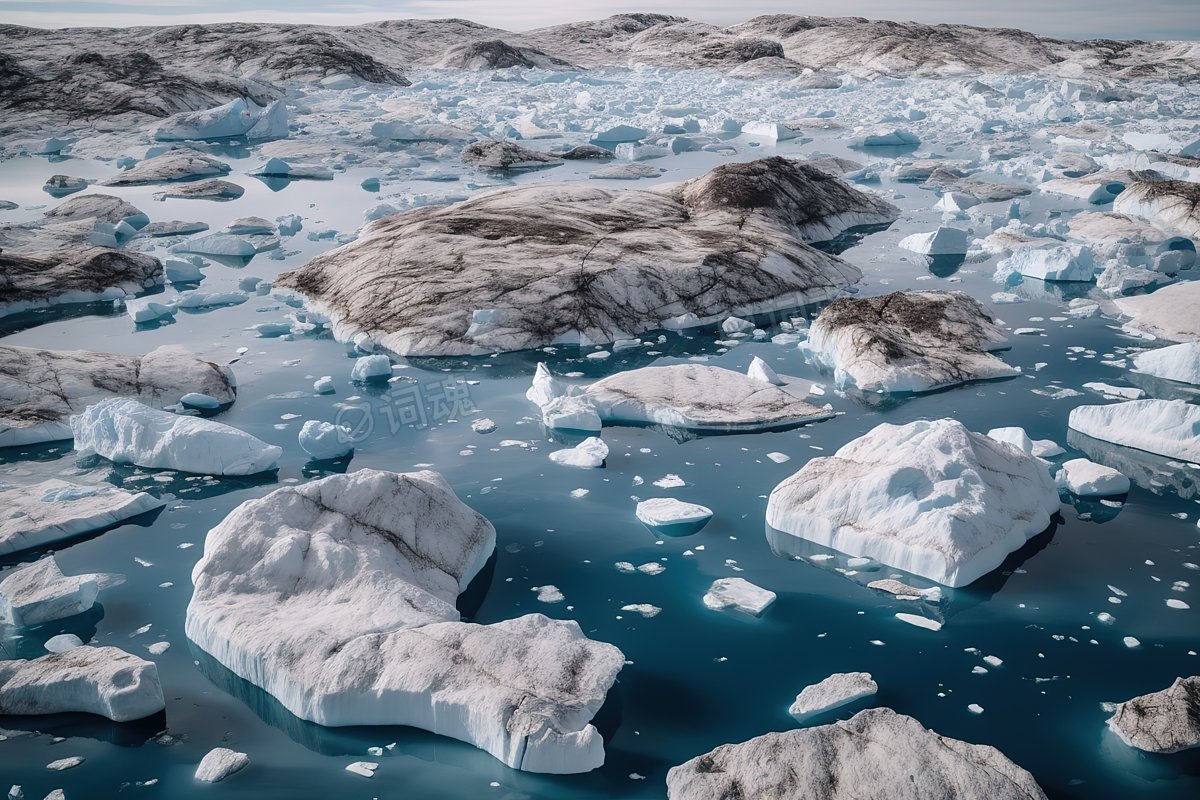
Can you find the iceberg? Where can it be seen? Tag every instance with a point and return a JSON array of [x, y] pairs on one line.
[[738, 594], [89, 680], [945, 241], [907, 342], [219, 763], [324, 441], [238, 117], [337, 597], [589, 454], [1161, 722], [1060, 262], [930, 498], [174, 165], [506, 157], [1168, 313], [876, 753], [55, 510], [36, 593], [278, 168], [835, 691], [1179, 362], [732, 241], [39, 389], [672, 517], [128, 432], [1165, 427], [368, 367], [1089, 479], [1171, 205], [892, 138]]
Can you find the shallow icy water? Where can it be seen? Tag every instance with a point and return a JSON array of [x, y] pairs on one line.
[[696, 678]]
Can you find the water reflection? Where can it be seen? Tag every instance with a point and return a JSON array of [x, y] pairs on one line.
[[1154, 473]]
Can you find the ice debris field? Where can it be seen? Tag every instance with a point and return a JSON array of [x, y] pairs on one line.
[[631, 408]]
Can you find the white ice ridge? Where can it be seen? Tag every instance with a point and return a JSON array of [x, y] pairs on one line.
[[39, 592], [544, 264], [90, 680], [39, 389], [835, 691], [1167, 427], [739, 594], [930, 498], [337, 597], [907, 342], [1179, 362], [127, 432], [877, 753], [690, 396], [54, 510], [1168, 313]]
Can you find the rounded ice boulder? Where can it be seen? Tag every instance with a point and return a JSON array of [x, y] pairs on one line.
[[931, 498]]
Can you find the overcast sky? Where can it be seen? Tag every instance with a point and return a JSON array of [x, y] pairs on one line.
[[1130, 19]]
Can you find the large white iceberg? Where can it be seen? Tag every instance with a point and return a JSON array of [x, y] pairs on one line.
[[1173, 205], [877, 753], [238, 117], [931, 498], [39, 389], [53, 510], [39, 592], [1168, 313], [128, 432], [90, 680], [337, 597], [1179, 362], [907, 342], [1167, 427]]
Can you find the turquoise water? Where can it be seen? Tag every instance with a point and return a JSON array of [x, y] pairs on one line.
[[697, 678]]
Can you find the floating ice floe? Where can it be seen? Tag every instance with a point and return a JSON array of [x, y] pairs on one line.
[[876, 753], [219, 763], [1180, 362], [1057, 262], [239, 117], [589, 454], [506, 264], [89, 680], [174, 165], [54, 510], [835, 691], [1168, 313], [337, 598], [904, 591], [1166, 427], [1161, 722], [945, 241], [907, 342], [212, 189], [689, 396], [128, 432], [39, 592], [892, 138], [672, 517], [278, 168], [930, 498], [738, 594], [39, 389], [324, 440]]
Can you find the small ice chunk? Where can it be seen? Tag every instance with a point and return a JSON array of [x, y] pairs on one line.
[[675, 516], [588, 454], [367, 367], [219, 764], [739, 594], [919, 621], [325, 441], [37, 593], [835, 691], [1085, 478], [363, 768], [62, 643]]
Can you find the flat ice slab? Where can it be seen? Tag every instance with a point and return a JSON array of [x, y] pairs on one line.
[[337, 598], [36, 593], [907, 342], [90, 680], [1168, 313], [1167, 427], [54, 510], [738, 594], [128, 432], [930, 498], [674, 516], [835, 691], [876, 753]]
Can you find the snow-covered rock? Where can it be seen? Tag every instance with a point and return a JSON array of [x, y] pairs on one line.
[[90, 680], [907, 342], [697, 397], [1168, 313], [739, 594], [1089, 479], [589, 454], [128, 432], [337, 597], [555, 263], [876, 753], [506, 157], [219, 763], [173, 165], [835, 691], [673, 517], [39, 389], [930, 498], [39, 592], [1161, 722], [1167, 427], [53, 510], [1179, 362], [324, 440]]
